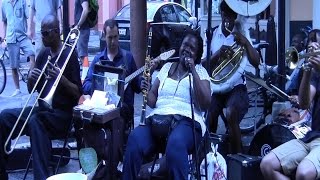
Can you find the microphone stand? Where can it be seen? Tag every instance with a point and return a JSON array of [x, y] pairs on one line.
[[193, 127]]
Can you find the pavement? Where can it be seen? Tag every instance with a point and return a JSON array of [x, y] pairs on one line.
[[13, 102]]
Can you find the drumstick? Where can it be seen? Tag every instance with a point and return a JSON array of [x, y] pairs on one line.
[[281, 92]]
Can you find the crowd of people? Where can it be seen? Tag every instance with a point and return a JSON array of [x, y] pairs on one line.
[[184, 104]]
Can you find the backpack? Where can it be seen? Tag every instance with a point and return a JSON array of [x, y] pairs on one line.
[[92, 18]]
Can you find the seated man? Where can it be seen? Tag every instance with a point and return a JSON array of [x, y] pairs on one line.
[[44, 123], [171, 115], [234, 98], [113, 55], [303, 154]]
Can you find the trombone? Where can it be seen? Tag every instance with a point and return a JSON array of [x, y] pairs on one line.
[[71, 42]]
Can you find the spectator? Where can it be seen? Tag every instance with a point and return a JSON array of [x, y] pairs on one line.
[[81, 11], [39, 9], [14, 17]]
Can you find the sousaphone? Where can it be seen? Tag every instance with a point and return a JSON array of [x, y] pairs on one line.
[[226, 75], [248, 7]]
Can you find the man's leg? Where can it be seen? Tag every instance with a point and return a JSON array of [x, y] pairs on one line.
[[282, 161], [306, 170], [180, 144], [309, 168], [140, 145], [15, 77], [214, 111], [14, 56], [271, 168], [236, 108], [28, 50], [82, 45], [8, 118], [44, 126]]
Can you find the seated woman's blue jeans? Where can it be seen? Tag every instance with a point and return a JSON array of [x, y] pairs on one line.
[[180, 143]]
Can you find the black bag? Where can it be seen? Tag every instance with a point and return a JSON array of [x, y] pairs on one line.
[[100, 140], [159, 169], [92, 17], [161, 125]]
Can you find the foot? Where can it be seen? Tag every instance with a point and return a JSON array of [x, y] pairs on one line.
[[16, 92]]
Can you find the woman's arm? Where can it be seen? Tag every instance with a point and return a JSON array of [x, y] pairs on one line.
[[201, 89], [153, 93]]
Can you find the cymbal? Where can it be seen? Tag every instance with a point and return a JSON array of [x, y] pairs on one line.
[[248, 7]]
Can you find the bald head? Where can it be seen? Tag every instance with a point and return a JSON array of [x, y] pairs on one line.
[[50, 21], [50, 31]]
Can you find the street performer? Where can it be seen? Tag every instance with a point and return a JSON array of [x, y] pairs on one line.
[[171, 115], [235, 99], [301, 155], [45, 124]]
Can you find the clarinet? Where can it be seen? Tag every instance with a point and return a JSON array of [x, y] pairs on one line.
[[146, 75]]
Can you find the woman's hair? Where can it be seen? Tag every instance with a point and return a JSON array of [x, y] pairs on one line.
[[200, 44]]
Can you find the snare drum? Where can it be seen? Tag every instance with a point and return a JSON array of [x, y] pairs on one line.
[[68, 176], [273, 135]]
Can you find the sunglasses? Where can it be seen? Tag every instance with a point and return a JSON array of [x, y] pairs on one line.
[[46, 32]]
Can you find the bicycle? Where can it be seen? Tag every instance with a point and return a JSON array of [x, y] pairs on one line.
[[4, 60]]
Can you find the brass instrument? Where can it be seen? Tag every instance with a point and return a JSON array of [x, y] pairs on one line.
[[230, 62], [70, 41], [292, 57]]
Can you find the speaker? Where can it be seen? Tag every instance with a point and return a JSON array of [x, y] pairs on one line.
[[243, 167]]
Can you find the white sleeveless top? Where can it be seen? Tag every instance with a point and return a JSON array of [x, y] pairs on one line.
[[174, 95]]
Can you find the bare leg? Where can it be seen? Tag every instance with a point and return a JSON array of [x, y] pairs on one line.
[[306, 170], [271, 168], [15, 77], [32, 62]]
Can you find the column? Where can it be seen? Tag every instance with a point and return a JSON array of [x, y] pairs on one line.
[[316, 15]]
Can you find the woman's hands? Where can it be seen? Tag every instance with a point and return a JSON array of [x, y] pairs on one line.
[[145, 83]]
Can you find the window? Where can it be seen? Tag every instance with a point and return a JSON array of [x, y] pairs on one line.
[[167, 14], [182, 14]]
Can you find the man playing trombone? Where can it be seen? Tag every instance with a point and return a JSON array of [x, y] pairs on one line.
[[45, 123]]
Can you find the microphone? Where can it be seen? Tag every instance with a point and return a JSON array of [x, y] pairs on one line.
[[187, 65], [186, 56]]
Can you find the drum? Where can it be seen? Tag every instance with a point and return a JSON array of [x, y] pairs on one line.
[[68, 176], [273, 135]]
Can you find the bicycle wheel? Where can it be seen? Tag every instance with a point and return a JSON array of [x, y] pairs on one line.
[[3, 76]]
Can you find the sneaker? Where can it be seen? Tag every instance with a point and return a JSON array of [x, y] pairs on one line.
[[16, 92]]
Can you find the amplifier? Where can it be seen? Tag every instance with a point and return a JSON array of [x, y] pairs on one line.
[[243, 167]]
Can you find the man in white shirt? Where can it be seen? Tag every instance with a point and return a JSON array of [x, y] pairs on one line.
[[234, 96]]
